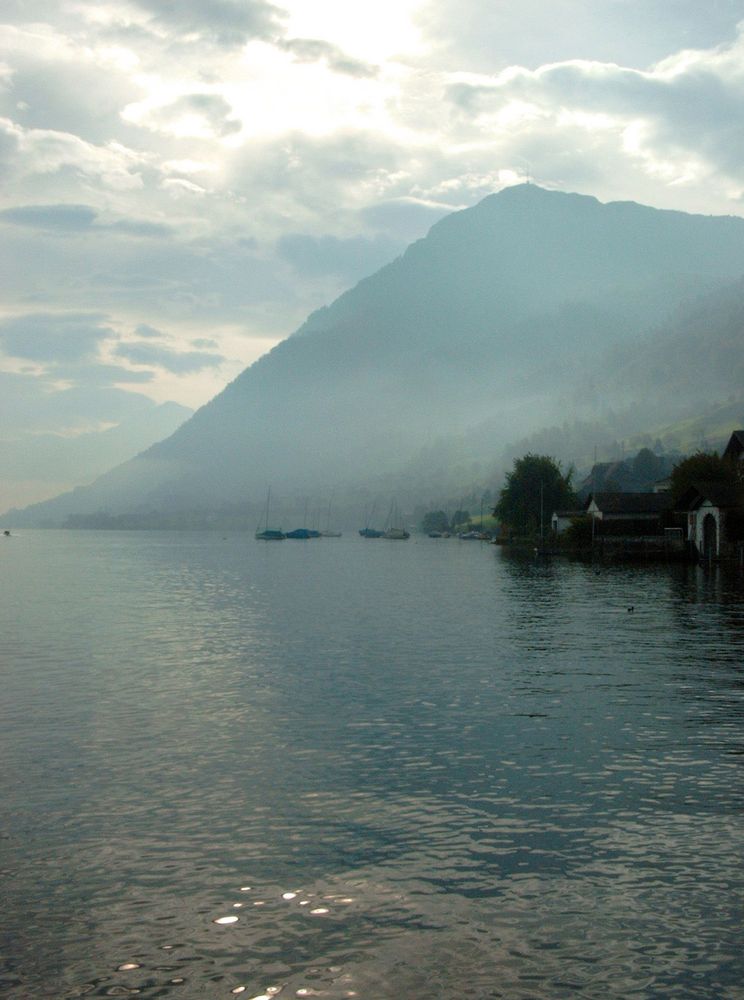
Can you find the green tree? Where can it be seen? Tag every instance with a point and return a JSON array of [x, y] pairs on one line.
[[702, 467], [535, 486]]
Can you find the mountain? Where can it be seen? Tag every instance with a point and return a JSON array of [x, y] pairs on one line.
[[493, 317]]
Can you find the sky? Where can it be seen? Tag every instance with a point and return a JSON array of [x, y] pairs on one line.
[[183, 181]]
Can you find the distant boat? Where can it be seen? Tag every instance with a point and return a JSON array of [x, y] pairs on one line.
[[328, 533], [303, 532], [395, 531], [366, 531], [267, 534]]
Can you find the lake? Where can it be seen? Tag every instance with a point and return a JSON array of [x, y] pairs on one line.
[[374, 769]]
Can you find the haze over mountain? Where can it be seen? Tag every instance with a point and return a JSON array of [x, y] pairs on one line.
[[489, 320]]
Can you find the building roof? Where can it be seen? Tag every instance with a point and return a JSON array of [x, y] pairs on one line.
[[735, 445], [631, 503], [718, 494]]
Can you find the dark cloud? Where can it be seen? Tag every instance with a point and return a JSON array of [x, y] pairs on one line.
[[227, 23], [144, 330], [317, 50], [78, 218], [352, 258], [178, 362], [53, 338], [70, 218]]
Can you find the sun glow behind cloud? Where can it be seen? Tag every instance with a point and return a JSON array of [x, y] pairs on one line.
[[379, 32]]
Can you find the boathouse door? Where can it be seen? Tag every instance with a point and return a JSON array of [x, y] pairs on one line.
[[710, 537]]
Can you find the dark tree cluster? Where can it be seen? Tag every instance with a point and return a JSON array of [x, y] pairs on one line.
[[534, 488]]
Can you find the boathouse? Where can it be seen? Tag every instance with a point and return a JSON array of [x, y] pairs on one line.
[[715, 520]]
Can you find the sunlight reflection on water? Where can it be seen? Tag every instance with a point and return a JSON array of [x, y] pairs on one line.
[[415, 771]]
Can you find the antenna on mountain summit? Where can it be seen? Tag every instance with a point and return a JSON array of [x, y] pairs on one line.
[[528, 171]]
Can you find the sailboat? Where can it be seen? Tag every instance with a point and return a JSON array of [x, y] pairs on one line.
[[267, 534], [328, 533], [395, 531], [303, 532], [366, 531]]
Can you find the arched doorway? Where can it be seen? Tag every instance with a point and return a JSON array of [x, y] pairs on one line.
[[710, 537]]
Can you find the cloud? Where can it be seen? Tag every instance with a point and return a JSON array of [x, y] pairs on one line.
[[487, 38], [198, 114], [178, 362], [227, 23], [678, 118], [77, 219], [102, 375], [145, 330], [43, 152], [70, 218], [318, 50], [31, 403], [63, 83], [406, 218], [351, 258], [51, 338]]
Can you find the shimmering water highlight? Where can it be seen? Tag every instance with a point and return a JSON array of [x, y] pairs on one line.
[[354, 768]]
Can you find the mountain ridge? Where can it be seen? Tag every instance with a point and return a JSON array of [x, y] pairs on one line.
[[484, 318]]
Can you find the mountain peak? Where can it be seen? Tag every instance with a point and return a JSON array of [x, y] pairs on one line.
[[488, 318]]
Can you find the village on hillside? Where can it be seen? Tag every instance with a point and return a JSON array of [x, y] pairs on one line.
[[697, 512]]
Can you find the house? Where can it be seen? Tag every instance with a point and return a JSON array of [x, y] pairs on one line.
[[631, 525], [714, 519], [734, 450], [629, 513], [562, 519]]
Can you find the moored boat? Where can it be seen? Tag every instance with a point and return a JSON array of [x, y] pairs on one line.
[[267, 534]]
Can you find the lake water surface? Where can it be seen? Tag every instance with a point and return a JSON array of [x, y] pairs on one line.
[[412, 770]]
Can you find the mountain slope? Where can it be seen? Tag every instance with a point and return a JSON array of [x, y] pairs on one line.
[[487, 318]]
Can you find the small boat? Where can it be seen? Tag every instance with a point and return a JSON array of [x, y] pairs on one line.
[[396, 534], [303, 532], [366, 531], [395, 531], [267, 534]]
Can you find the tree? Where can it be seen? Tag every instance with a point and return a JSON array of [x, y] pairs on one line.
[[702, 467], [434, 520], [647, 467], [533, 490], [460, 517]]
